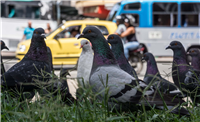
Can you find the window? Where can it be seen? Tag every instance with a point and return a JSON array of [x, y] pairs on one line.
[[113, 12], [165, 14], [132, 6], [190, 14], [2, 10], [70, 32], [20, 11], [103, 29]]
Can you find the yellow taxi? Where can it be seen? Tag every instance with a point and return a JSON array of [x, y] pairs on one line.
[[63, 42]]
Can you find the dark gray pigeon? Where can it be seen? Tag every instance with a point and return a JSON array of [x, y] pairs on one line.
[[59, 86], [152, 75], [3, 46], [22, 76], [50, 58], [184, 76], [118, 51], [195, 54], [123, 88]]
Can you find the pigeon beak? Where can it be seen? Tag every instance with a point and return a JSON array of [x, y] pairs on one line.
[[5, 47], [169, 47], [81, 46], [188, 53], [43, 35], [81, 36], [91, 44]]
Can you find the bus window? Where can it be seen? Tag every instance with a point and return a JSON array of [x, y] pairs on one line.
[[113, 12], [2, 10], [19, 11], [165, 14], [190, 14], [132, 6]]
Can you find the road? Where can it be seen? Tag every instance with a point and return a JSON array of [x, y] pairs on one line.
[[164, 66]]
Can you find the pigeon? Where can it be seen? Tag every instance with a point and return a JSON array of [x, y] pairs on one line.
[[184, 76], [195, 54], [152, 75], [85, 63], [118, 51], [3, 46], [107, 78], [59, 86], [24, 74], [50, 58]]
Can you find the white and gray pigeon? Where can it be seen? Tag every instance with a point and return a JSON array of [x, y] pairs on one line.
[[85, 63], [123, 88]]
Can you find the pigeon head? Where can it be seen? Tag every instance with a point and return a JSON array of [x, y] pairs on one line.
[[3, 46], [90, 33], [39, 34], [146, 56], [175, 45], [114, 39], [85, 44], [193, 52]]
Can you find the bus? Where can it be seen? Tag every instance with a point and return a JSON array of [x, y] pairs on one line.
[[161, 21], [15, 15]]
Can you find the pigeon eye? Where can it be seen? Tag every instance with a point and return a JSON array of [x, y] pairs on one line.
[[192, 51], [86, 43], [89, 31], [175, 44], [112, 37], [36, 32]]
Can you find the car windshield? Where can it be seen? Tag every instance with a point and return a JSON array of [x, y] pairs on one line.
[[54, 30]]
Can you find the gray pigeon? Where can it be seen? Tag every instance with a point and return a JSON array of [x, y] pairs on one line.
[[3, 46], [118, 51], [85, 63], [23, 75], [184, 76], [123, 88], [152, 75], [195, 54]]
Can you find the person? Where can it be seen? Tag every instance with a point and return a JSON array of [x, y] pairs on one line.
[[132, 42], [28, 31], [120, 27], [74, 32], [48, 30]]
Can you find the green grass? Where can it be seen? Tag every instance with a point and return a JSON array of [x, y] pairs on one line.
[[88, 109], [53, 110]]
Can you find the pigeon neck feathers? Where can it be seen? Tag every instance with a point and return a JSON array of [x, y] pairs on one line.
[[118, 52], [102, 52], [37, 51], [196, 62], [180, 60], [152, 67]]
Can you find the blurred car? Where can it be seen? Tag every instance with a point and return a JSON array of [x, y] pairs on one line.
[[63, 42]]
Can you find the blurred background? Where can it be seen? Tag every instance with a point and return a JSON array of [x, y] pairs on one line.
[[156, 22]]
